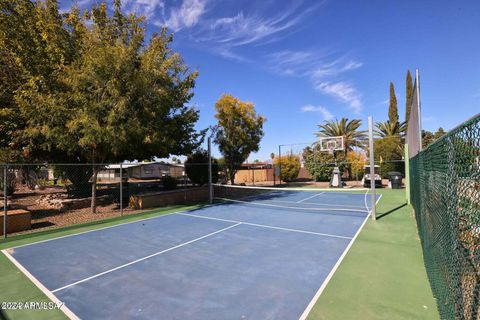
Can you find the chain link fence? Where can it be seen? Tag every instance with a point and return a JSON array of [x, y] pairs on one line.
[[36, 197], [445, 193]]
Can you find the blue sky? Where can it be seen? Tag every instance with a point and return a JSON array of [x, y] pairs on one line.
[[303, 62]]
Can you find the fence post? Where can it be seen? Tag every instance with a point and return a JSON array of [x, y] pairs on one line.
[[280, 164], [210, 186], [372, 168], [121, 189], [407, 174], [5, 203]]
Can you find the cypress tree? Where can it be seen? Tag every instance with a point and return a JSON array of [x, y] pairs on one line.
[[409, 98], [392, 109]]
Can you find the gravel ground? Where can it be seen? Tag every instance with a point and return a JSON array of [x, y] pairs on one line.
[[45, 217]]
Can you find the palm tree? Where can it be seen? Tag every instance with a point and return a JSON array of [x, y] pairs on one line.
[[389, 129], [393, 132], [352, 137]]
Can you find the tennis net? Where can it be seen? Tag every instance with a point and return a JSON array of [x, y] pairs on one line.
[[302, 199]]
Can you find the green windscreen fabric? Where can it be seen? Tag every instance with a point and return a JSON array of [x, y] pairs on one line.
[[445, 193]]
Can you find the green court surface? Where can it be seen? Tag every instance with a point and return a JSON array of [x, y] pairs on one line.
[[382, 276]]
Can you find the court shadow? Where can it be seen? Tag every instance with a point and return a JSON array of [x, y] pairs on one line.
[[384, 214]]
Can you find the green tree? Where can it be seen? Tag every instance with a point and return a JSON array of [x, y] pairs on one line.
[[439, 133], [320, 164], [389, 152], [392, 107], [352, 137], [34, 48], [196, 167], [388, 129], [94, 93], [427, 138], [290, 166], [408, 98], [239, 131]]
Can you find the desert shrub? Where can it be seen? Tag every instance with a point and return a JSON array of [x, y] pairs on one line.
[[290, 166], [356, 161], [196, 168], [11, 183]]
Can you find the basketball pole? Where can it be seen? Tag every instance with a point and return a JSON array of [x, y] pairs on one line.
[[372, 169]]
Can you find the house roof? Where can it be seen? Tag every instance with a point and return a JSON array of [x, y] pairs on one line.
[[140, 164]]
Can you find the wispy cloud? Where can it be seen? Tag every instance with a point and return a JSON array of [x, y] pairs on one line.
[[327, 115], [335, 68], [344, 92], [187, 15], [149, 8], [242, 29], [384, 102], [294, 63], [322, 73], [270, 22]]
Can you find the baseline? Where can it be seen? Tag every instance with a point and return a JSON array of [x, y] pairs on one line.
[[69, 313]]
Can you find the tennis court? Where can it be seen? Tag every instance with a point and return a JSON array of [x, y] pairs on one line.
[[258, 253]]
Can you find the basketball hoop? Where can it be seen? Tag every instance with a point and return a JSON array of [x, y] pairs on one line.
[[331, 144]]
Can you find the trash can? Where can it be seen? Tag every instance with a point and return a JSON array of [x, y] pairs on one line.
[[395, 179]]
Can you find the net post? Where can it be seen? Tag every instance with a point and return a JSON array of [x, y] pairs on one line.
[[210, 186], [121, 189], [5, 205], [407, 174], [372, 169]]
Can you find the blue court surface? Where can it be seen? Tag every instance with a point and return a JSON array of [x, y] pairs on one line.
[[264, 259]]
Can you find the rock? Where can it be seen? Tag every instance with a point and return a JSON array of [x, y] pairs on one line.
[[62, 202]]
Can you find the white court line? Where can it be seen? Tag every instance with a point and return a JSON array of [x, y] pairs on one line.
[[366, 203], [378, 200], [340, 190], [308, 198], [144, 258], [266, 226], [293, 208], [320, 204], [115, 225], [40, 286], [334, 269], [332, 272]]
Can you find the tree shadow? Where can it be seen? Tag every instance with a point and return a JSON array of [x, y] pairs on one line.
[[380, 216], [3, 315]]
